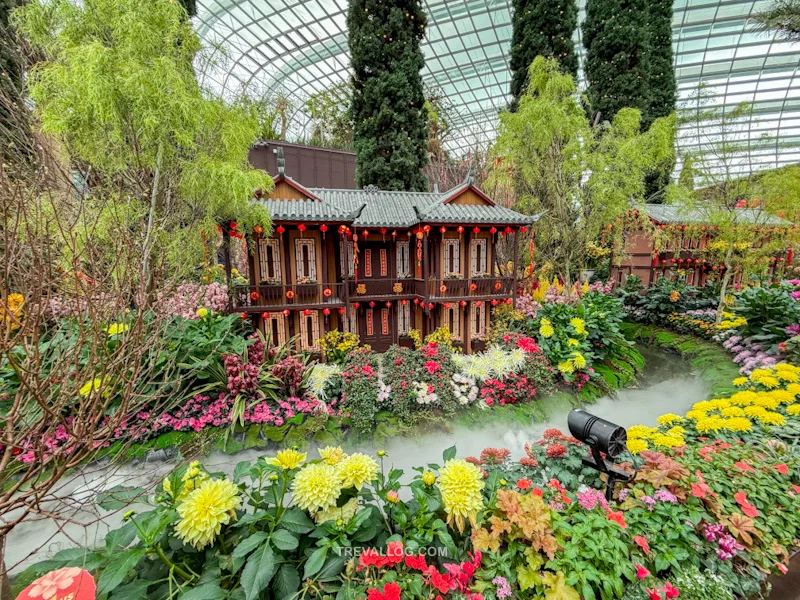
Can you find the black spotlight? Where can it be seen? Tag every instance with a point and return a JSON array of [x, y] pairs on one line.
[[601, 436]]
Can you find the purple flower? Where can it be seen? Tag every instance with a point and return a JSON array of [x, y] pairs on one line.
[[503, 587], [793, 329], [591, 498], [649, 501], [665, 496]]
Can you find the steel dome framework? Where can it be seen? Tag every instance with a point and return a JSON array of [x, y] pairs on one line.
[[299, 47]]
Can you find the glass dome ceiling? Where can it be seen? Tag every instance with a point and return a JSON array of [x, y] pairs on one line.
[[299, 47]]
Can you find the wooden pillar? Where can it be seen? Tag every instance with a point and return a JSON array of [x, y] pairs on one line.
[[516, 260]]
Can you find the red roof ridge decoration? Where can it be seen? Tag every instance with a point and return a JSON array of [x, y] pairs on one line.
[[466, 187]]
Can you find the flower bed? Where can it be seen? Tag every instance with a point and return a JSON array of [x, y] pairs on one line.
[[715, 503]]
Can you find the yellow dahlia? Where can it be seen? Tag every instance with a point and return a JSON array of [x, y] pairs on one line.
[[191, 479], [460, 484], [356, 470], [334, 513], [578, 325], [741, 381], [669, 419], [545, 328], [288, 459], [428, 478], [637, 445], [772, 418], [738, 424], [793, 410], [316, 487], [332, 454], [206, 510], [786, 367], [768, 382]]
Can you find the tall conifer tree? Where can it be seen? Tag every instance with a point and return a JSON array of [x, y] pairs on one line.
[[541, 28], [389, 115]]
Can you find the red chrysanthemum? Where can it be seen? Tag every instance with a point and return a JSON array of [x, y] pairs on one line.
[[552, 434], [555, 450]]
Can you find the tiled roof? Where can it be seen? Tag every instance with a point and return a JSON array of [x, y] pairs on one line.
[[391, 209], [669, 213]]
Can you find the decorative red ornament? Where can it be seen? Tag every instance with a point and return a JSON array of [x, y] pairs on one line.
[[442, 228], [307, 312], [416, 300], [287, 312], [342, 229], [388, 304], [244, 315], [479, 303], [280, 229], [372, 304], [290, 294], [365, 233], [301, 227], [326, 311], [234, 225], [443, 288], [258, 229], [426, 229], [473, 286], [476, 230], [323, 228], [509, 301], [357, 304], [497, 285], [446, 305], [509, 230], [254, 296], [403, 302], [493, 230], [494, 302], [341, 311], [460, 229], [265, 315], [327, 292], [523, 230], [394, 234], [463, 303], [430, 306]]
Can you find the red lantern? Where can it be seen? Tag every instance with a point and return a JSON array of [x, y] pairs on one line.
[[443, 229], [365, 233], [443, 288], [342, 229], [326, 311], [497, 285], [416, 300], [254, 296], [307, 312], [403, 302], [460, 229], [463, 303], [258, 229], [234, 225], [493, 230], [372, 304], [287, 312], [494, 302], [523, 230], [244, 315], [509, 230], [280, 229], [476, 230], [473, 286], [383, 230], [327, 292], [479, 303], [290, 294], [341, 311], [394, 234], [323, 228], [430, 306], [357, 304], [388, 304], [509, 300], [265, 315], [426, 229], [301, 227]]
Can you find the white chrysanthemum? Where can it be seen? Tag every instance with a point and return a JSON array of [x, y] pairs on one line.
[[320, 374]]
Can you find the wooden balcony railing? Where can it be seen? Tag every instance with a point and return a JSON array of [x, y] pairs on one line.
[[385, 287], [290, 294], [467, 288]]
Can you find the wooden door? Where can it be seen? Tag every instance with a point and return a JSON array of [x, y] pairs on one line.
[[377, 326]]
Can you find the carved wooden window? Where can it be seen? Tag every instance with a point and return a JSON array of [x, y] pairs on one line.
[[305, 257], [274, 329], [269, 254], [452, 321], [403, 318], [347, 258], [478, 320], [403, 260], [351, 320], [367, 263], [309, 331], [452, 257], [478, 257]]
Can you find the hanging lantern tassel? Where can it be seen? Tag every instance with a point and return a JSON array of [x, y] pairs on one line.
[[323, 228]]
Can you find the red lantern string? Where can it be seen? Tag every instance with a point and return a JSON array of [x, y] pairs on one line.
[[326, 311], [265, 316], [287, 312]]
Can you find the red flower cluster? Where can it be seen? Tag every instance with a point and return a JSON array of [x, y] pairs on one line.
[[555, 450], [514, 388], [494, 456]]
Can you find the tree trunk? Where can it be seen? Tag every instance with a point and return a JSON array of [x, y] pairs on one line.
[[5, 582], [724, 284], [146, 280]]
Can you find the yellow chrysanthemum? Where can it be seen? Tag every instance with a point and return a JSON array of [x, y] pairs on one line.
[[696, 415], [345, 513], [668, 441], [566, 367], [712, 423], [669, 419], [637, 445], [732, 411], [116, 328], [578, 325], [545, 328], [738, 424], [745, 398], [764, 377], [206, 510], [741, 381], [793, 388], [788, 376], [572, 343], [578, 360], [202, 312], [793, 410], [316, 487], [718, 403], [759, 373], [332, 455], [288, 459], [767, 402], [356, 470], [781, 396], [191, 479], [754, 411], [641, 431], [786, 367], [460, 484], [677, 430], [772, 418]]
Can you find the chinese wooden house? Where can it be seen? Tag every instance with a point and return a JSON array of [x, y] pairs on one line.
[[379, 264]]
